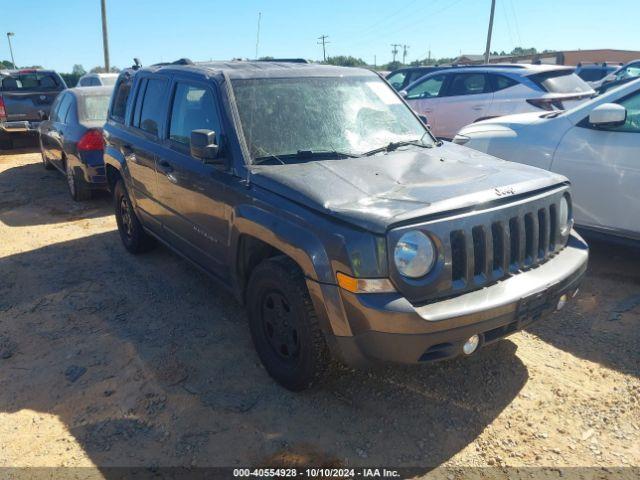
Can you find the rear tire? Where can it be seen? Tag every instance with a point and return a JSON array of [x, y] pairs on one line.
[[78, 188], [133, 236], [284, 325]]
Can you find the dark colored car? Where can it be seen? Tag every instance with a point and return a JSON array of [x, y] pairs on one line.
[[71, 139], [25, 99], [625, 74], [319, 198], [593, 73], [402, 77]]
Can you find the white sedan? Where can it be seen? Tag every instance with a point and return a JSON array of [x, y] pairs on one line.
[[596, 145]]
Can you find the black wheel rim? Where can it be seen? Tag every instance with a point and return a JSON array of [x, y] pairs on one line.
[[279, 323], [125, 217]]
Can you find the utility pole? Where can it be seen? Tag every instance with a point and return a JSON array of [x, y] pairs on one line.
[[258, 34], [375, 62], [487, 51], [323, 41], [105, 36], [404, 53], [9, 35], [394, 50]]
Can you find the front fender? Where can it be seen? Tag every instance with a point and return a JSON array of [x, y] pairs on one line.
[[301, 244], [307, 249]]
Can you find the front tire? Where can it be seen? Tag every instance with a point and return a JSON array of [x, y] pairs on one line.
[[284, 325], [133, 236]]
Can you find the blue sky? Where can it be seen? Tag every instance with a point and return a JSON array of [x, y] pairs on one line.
[[60, 33]]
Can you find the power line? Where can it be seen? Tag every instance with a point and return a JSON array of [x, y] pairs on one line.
[[394, 50], [323, 41]]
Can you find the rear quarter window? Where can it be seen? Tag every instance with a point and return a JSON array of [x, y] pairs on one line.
[[120, 98], [560, 81]]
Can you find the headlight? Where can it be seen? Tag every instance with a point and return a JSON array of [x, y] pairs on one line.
[[564, 216], [414, 254]]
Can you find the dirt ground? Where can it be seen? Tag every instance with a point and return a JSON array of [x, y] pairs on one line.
[[109, 359]]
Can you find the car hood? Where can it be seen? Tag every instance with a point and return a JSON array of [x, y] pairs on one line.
[[380, 191]]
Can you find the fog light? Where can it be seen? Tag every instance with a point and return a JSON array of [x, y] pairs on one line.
[[470, 345], [562, 301]]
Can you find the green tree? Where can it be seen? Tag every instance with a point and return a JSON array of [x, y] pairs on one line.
[[78, 70], [346, 61]]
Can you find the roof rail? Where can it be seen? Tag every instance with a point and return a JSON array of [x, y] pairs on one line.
[[283, 60], [180, 61]]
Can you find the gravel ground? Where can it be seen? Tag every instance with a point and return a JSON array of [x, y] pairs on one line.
[[107, 359]]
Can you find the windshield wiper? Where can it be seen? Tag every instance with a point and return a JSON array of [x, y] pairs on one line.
[[304, 155], [390, 147]]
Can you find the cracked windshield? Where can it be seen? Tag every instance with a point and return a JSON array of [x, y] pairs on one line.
[[350, 115]]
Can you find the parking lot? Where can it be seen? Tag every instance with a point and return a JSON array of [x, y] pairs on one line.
[[109, 359]]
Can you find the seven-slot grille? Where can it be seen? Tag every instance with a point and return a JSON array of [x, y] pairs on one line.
[[488, 252], [481, 247]]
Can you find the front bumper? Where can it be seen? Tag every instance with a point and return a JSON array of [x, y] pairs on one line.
[[386, 327], [23, 126]]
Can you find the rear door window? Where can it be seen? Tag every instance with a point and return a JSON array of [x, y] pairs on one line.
[[151, 105], [500, 82], [63, 109], [193, 108], [467, 84], [427, 88]]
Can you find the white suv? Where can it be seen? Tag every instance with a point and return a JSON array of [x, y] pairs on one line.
[[97, 80], [595, 146], [456, 97]]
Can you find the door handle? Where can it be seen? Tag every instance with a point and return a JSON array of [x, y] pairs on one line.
[[129, 154], [167, 169], [165, 166], [427, 110], [478, 107]]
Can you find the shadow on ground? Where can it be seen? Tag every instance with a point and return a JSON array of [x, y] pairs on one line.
[[31, 195], [147, 362], [603, 323]]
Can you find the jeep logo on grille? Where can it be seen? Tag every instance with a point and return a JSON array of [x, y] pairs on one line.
[[501, 192]]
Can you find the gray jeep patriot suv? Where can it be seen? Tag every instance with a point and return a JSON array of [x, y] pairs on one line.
[[321, 200]]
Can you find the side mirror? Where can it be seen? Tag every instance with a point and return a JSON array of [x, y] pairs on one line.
[[204, 147], [43, 115], [424, 120], [608, 115], [403, 93]]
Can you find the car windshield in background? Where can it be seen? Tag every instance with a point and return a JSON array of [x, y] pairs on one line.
[[594, 74], [30, 81], [561, 81], [109, 80], [94, 108], [351, 115]]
